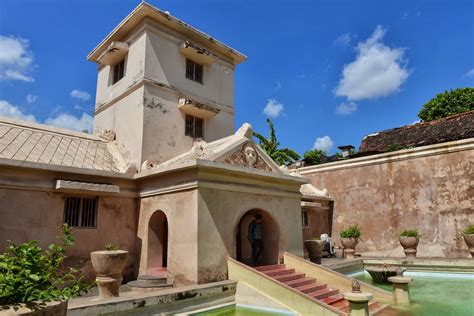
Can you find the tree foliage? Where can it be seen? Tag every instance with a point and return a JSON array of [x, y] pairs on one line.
[[448, 103], [314, 156], [30, 274], [281, 156]]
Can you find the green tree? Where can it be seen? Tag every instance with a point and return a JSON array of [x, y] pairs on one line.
[[314, 156], [448, 103], [281, 156]]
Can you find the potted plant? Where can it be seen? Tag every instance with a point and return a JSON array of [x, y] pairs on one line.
[[468, 235], [34, 281], [108, 265], [315, 249], [409, 240], [350, 238]]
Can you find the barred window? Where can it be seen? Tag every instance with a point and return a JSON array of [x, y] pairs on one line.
[[81, 212], [304, 218], [119, 71], [193, 71], [194, 126]]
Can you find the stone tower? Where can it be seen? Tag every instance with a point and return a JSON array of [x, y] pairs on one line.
[[161, 85]]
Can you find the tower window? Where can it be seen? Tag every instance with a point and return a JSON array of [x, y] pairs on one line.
[[193, 71], [119, 71], [194, 126], [80, 212]]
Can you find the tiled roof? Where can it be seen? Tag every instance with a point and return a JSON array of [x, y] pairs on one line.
[[456, 127], [30, 142]]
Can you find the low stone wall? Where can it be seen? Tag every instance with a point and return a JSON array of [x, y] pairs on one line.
[[428, 188]]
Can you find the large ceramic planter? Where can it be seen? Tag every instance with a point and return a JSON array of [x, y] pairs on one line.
[[409, 245], [469, 239], [53, 308], [315, 249], [108, 266], [349, 245]]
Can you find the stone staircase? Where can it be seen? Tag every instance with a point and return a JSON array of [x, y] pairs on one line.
[[155, 279], [311, 287]]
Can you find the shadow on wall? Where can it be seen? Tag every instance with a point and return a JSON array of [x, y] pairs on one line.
[[270, 238]]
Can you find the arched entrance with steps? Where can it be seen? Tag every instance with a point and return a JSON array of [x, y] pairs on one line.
[[157, 260], [270, 237]]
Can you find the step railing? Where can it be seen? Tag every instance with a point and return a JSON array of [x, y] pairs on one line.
[[332, 278], [287, 296]]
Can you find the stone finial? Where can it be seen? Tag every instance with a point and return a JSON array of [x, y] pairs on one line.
[[355, 286], [399, 271], [107, 134], [245, 130]]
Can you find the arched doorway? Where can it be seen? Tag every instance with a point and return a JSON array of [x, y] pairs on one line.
[[157, 243], [270, 236]]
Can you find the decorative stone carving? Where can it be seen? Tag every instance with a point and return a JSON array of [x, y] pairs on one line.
[[147, 165], [248, 157], [107, 134], [200, 151]]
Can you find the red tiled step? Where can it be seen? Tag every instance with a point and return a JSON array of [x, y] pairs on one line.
[[312, 287], [289, 277], [320, 294], [330, 300], [342, 304], [270, 267], [300, 282], [275, 272]]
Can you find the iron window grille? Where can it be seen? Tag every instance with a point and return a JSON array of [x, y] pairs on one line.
[[305, 218], [194, 126], [194, 70], [81, 212], [118, 71]]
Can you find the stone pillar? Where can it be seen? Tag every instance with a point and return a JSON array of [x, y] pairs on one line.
[[358, 301], [401, 292]]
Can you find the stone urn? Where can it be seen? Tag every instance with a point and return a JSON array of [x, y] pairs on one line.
[[51, 308], [349, 245], [409, 245], [469, 239], [108, 266], [315, 249]]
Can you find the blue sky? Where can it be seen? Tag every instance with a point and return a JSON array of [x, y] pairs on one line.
[[326, 72]]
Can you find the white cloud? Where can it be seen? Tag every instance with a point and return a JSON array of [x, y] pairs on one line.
[[343, 40], [470, 73], [377, 70], [16, 61], [72, 122], [346, 108], [31, 98], [273, 108], [10, 110], [324, 143], [81, 95]]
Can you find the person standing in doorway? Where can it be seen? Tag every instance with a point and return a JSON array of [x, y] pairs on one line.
[[255, 238]]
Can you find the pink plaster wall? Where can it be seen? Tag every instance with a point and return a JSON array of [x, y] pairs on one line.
[[434, 194]]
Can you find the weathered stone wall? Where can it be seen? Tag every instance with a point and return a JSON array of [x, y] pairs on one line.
[[38, 215], [428, 188]]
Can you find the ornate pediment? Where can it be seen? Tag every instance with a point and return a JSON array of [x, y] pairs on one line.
[[247, 156]]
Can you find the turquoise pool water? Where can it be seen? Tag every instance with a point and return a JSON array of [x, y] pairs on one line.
[[435, 293], [238, 310]]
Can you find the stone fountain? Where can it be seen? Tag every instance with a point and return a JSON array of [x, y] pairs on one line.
[[381, 273]]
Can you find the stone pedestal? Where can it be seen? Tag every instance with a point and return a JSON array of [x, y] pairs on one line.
[[349, 253], [108, 286], [401, 293], [358, 303]]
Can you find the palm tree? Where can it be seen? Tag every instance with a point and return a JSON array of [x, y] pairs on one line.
[[281, 156]]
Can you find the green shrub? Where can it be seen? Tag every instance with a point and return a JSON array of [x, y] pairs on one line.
[[314, 157], [352, 231], [469, 230], [448, 103], [29, 273], [410, 233], [110, 247]]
